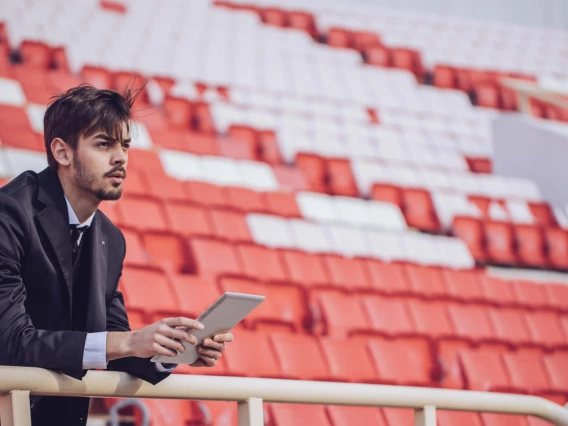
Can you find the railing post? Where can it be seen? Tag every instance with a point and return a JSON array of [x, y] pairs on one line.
[[15, 408], [426, 416], [251, 412]]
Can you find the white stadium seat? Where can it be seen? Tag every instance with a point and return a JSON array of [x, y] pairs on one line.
[[348, 241], [310, 237], [317, 207], [11, 92], [181, 165], [272, 231], [35, 115], [19, 160], [140, 137]]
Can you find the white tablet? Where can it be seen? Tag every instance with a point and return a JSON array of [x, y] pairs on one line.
[[220, 317]]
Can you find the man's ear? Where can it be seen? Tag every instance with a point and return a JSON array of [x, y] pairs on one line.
[[61, 152]]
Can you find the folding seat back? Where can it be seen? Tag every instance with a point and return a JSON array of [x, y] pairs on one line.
[[340, 178], [262, 263], [430, 318], [310, 237], [344, 415], [136, 254], [543, 214], [143, 215], [530, 294], [166, 188], [510, 325], [419, 210], [166, 251], [189, 220], [455, 418], [556, 365], [339, 37], [271, 231], [240, 363], [484, 370], [13, 116], [179, 111], [492, 419], [398, 416], [281, 203], [500, 243], [557, 245], [300, 356], [148, 161], [20, 138], [11, 93], [213, 258], [526, 370], [348, 241], [546, 329], [298, 415], [387, 193], [148, 291], [530, 245], [98, 77], [305, 269], [246, 200], [136, 184], [426, 281], [386, 216], [471, 322], [402, 361], [318, 207], [463, 285], [349, 274], [193, 293], [388, 277], [557, 294], [388, 315], [348, 360], [292, 178], [166, 412], [230, 225], [497, 290], [470, 230], [334, 307]]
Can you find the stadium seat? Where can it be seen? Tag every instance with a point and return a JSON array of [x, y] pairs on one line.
[[388, 315], [526, 371], [240, 363], [543, 214], [491, 419], [213, 258], [426, 281], [463, 285], [166, 412], [179, 112], [388, 194], [166, 251], [457, 418], [298, 415], [530, 246], [246, 200], [136, 184], [389, 278], [193, 293], [470, 230], [398, 416], [530, 294], [471, 322], [207, 194], [291, 178], [497, 290], [148, 292], [348, 360], [305, 269], [557, 294], [35, 54], [546, 329], [500, 243], [271, 231], [340, 178], [484, 370], [13, 117], [165, 188], [347, 273], [147, 161], [20, 138], [402, 361], [314, 170], [300, 357], [556, 365], [97, 76], [331, 307], [12, 94], [230, 225], [281, 203], [136, 254], [342, 415], [189, 220], [510, 325], [557, 245], [283, 308], [142, 215], [262, 263], [419, 210], [430, 318]]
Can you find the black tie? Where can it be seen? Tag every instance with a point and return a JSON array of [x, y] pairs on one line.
[[75, 234]]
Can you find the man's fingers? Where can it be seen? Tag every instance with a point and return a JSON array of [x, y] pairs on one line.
[[169, 343], [183, 322], [214, 345], [208, 361], [206, 352], [178, 334], [225, 337]]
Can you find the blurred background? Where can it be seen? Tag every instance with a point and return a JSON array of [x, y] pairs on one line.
[[391, 175]]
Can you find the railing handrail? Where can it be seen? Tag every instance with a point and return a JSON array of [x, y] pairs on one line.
[[114, 384], [528, 89]]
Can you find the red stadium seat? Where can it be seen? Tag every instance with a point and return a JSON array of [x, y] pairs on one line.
[[556, 365], [166, 251], [274, 17], [497, 290], [269, 151], [240, 149], [123, 79], [334, 307], [213, 258], [484, 370], [347, 273], [239, 360], [556, 294], [480, 165], [305, 269], [530, 294], [546, 329], [262, 263], [487, 95], [530, 245], [387, 193], [457, 418], [557, 244], [339, 37], [189, 220], [464, 285], [147, 161], [148, 291], [283, 308], [491, 419], [471, 322], [230, 225], [470, 230], [111, 210], [419, 210], [426, 281], [281, 204], [500, 243], [444, 77], [510, 325], [194, 294], [543, 214], [398, 416], [314, 169], [21, 138], [136, 184], [136, 254], [526, 370], [379, 56], [482, 203], [340, 178], [143, 215], [364, 39], [98, 77], [245, 199], [402, 361], [166, 412], [389, 278], [341, 415], [302, 21], [291, 178], [14, 117], [206, 194], [299, 415], [349, 360], [447, 370], [179, 112], [300, 357], [35, 54], [388, 316], [430, 318], [408, 59]]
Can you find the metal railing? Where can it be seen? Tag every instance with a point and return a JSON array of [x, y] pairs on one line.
[[527, 90], [18, 383]]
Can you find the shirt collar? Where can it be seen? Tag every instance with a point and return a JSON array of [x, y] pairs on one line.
[[73, 219]]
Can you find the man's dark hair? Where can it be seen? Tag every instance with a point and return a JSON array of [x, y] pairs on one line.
[[84, 110]]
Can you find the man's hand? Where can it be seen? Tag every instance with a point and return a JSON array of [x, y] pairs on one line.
[[210, 350], [161, 338]]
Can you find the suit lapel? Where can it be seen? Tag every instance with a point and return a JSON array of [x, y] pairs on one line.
[[98, 278], [54, 221]]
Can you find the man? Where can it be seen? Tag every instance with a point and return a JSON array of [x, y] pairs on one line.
[[61, 259]]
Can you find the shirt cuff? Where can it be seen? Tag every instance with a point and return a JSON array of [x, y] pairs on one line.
[[94, 355], [165, 368]]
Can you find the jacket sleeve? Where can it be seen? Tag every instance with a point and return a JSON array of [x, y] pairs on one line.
[[22, 344], [117, 320]]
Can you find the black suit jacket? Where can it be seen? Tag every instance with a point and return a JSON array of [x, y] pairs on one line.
[[36, 288]]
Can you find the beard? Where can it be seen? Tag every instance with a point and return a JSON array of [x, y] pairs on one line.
[[87, 181]]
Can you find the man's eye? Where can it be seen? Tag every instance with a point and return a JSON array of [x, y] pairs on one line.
[[126, 145], [103, 144]]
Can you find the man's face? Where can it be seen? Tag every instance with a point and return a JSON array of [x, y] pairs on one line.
[[99, 164]]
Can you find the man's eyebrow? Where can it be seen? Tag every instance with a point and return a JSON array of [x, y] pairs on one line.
[[111, 139]]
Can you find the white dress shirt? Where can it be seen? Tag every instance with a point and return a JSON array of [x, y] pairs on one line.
[[94, 355]]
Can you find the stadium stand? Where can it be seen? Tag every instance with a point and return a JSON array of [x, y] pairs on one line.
[[331, 160]]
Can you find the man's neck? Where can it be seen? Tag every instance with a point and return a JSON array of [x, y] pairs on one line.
[[84, 204]]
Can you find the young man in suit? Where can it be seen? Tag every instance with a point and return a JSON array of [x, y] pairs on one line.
[[61, 259]]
